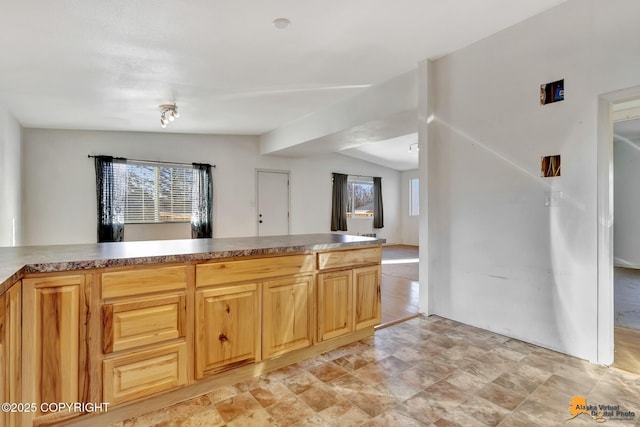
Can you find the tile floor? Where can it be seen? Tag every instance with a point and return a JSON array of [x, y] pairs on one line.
[[423, 372]]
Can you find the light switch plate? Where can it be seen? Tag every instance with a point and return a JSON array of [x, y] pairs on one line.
[[552, 198]]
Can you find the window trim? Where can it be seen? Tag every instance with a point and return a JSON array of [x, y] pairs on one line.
[[357, 179], [157, 166], [413, 213]]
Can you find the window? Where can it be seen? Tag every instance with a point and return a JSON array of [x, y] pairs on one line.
[[157, 193], [360, 197], [414, 197]]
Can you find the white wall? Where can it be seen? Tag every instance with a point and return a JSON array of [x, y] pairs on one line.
[[10, 179], [377, 103], [626, 159], [410, 224], [59, 201], [499, 258], [311, 181]]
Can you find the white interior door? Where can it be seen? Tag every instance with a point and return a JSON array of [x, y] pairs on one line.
[[273, 203]]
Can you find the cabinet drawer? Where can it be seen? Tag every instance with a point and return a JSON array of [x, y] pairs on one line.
[[252, 269], [146, 321], [127, 283], [144, 373], [349, 258]]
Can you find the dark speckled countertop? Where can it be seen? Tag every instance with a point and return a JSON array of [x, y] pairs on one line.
[[17, 261]]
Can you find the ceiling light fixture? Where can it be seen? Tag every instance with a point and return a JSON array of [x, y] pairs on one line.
[[168, 113], [281, 23], [414, 146]]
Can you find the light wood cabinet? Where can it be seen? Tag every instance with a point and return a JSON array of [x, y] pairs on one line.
[[142, 373], [124, 334], [10, 351], [349, 297], [143, 321], [286, 317], [348, 300], [143, 281], [227, 327], [367, 282], [146, 341], [54, 343], [255, 270], [349, 258], [335, 304]]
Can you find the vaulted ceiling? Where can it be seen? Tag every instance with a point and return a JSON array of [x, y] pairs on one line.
[[108, 65]]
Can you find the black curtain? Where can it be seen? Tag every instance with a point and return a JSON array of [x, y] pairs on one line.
[[110, 191], [339, 202], [202, 202], [378, 214]]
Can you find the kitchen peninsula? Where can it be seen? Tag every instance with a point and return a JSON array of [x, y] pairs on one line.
[[142, 325]]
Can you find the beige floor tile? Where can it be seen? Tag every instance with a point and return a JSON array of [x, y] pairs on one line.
[[328, 372], [424, 372], [484, 411], [319, 397], [259, 418], [289, 412], [344, 414], [501, 396], [301, 382], [236, 406], [394, 418]]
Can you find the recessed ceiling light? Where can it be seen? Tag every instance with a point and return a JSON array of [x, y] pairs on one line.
[[281, 23]]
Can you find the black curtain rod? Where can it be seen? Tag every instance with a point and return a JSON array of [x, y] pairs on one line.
[[359, 176], [152, 161]]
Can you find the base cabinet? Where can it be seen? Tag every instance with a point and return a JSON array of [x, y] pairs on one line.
[[227, 327], [54, 344], [335, 304], [145, 338], [10, 351], [367, 295], [121, 334], [348, 300], [287, 313]]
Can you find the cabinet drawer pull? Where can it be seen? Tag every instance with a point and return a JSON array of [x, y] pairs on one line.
[[223, 338]]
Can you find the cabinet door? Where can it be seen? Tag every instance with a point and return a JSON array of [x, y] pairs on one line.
[[54, 343], [286, 322], [367, 296], [10, 352], [335, 304], [228, 327]]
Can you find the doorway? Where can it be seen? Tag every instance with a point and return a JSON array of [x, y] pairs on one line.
[[626, 240], [272, 202], [612, 107]]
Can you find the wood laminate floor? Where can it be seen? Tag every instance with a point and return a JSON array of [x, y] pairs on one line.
[[399, 284], [627, 350], [627, 319]]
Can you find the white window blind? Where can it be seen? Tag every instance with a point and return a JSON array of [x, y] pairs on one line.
[[158, 193]]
